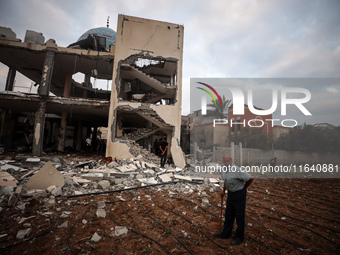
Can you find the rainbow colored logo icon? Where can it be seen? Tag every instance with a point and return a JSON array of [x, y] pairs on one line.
[[209, 93]]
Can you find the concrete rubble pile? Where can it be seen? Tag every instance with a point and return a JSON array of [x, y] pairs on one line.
[[23, 179]]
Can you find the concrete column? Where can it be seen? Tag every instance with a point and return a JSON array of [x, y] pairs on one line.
[[68, 83], [10, 79], [62, 132], [79, 136], [39, 126], [46, 76]]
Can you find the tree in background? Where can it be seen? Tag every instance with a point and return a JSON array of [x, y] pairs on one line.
[[220, 110], [308, 138], [251, 138]]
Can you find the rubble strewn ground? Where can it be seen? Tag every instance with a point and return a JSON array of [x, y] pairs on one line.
[[284, 216]]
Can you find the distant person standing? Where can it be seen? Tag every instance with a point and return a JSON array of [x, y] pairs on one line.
[[273, 162], [164, 151], [88, 144]]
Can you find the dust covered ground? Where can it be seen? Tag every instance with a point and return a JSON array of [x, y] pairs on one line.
[[283, 216]]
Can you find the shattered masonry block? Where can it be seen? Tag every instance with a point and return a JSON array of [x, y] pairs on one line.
[[23, 233], [101, 205], [104, 184], [95, 238], [165, 177], [56, 192], [184, 178], [213, 180], [50, 188], [33, 160], [121, 231], [46, 177], [205, 202], [34, 37], [93, 176], [139, 176], [128, 168], [101, 213]]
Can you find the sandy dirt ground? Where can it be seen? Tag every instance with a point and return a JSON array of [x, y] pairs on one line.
[[283, 216]]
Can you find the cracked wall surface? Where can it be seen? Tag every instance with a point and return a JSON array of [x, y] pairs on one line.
[[147, 74]]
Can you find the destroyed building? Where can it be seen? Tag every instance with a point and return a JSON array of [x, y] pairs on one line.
[[144, 63]]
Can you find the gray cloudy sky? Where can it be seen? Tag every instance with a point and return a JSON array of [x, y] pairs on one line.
[[222, 38]]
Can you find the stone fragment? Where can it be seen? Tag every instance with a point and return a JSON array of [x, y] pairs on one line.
[[101, 213], [95, 237], [64, 225], [50, 188], [56, 192], [8, 166], [213, 180], [79, 180], [205, 202], [101, 205], [128, 168], [21, 206], [121, 231], [93, 176], [165, 177], [33, 160], [36, 193], [23, 233], [7, 180], [104, 184], [139, 176], [184, 178], [46, 177]]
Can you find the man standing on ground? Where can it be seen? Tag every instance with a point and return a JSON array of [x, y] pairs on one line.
[[164, 151], [236, 182]]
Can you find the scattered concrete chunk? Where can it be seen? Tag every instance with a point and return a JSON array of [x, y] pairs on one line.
[[23, 233], [101, 213], [46, 177], [64, 225], [165, 177], [33, 160], [205, 202], [101, 205], [7, 166], [7, 180], [56, 192], [95, 238], [128, 168], [213, 180], [121, 231], [104, 184], [93, 176], [184, 178]]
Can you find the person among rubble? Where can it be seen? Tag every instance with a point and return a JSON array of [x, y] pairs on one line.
[[164, 151], [88, 143], [236, 182]]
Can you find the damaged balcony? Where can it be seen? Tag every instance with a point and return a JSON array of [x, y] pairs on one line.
[[148, 81], [142, 125]]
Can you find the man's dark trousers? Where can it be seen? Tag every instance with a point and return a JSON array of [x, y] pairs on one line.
[[236, 207], [163, 158]]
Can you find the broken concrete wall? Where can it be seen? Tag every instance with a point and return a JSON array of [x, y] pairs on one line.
[[151, 40]]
